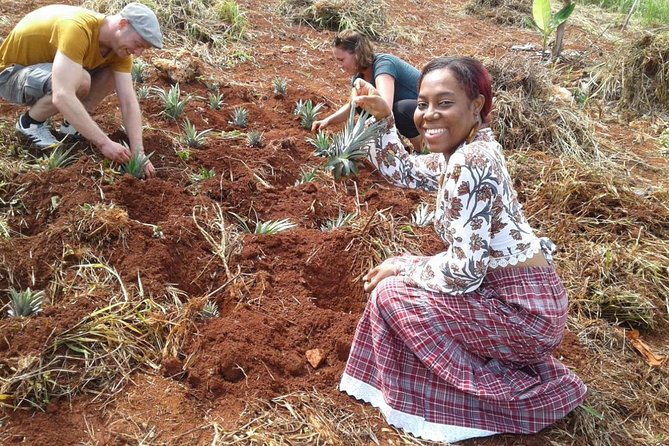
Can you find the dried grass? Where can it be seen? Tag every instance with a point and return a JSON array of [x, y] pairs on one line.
[[370, 18], [99, 353], [613, 236], [502, 12], [637, 75], [200, 25], [100, 223], [530, 113], [378, 237], [301, 418]]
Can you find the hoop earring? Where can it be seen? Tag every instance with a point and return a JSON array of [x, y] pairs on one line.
[[474, 131]]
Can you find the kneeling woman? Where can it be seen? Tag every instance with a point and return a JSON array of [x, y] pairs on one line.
[[458, 345]]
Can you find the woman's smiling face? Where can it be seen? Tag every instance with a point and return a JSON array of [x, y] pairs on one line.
[[445, 114]]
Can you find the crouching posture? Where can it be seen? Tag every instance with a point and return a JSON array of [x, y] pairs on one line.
[[67, 59], [458, 345]]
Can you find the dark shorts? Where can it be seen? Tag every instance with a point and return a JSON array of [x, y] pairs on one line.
[[403, 111], [25, 85]]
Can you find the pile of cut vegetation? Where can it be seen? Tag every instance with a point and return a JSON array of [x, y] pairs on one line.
[[531, 112], [637, 75], [502, 12]]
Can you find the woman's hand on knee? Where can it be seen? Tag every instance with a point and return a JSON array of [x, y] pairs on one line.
[[377, 274]]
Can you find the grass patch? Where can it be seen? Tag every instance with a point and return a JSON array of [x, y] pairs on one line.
[[649, 12]]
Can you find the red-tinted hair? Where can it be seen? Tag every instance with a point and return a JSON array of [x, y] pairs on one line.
[[471, 75]]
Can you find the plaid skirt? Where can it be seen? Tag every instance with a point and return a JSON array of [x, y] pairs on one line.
[[448, 368]]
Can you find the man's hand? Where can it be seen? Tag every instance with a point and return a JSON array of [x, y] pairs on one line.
[[377, 274], [366, 96], [115, 152], [149, 170]]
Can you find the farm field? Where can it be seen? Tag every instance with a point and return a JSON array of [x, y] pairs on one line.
[[165, 322]]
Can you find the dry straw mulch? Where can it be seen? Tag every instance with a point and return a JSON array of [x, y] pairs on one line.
[[637, 75], [532, 112]]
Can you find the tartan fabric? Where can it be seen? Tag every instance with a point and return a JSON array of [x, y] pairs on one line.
[[479, 360]]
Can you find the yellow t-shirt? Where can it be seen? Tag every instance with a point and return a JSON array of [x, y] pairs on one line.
[[72, 30]]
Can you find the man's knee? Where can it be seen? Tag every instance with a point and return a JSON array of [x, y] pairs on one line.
[[25, 85]]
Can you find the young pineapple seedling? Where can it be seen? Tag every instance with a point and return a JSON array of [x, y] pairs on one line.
[[209, 311], [135, 166], [215, 101], [59, 157], [193, 138], [143, 92], [339, 222], [137, 71], [307, 176], [183, 154], [240, 117], [268, 227], [24, 303], [348, 147], [254, 138], [422, 216], [280, 87], [202, 174], [174, 105], [307, 112], [273, 227], [321, 142]]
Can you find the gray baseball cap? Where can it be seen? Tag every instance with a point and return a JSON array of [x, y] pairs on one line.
[[144, 22]]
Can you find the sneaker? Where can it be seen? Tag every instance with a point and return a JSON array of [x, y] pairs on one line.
[[67, 130], [38, 134]]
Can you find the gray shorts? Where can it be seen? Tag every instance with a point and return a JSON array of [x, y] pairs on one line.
[[25, 85]]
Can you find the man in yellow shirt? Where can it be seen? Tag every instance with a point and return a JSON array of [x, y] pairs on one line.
[[66, 59]]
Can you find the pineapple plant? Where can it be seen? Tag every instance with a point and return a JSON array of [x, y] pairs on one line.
[[321, 143], [24, 303], [58, 158], [341, 221], [280, 87], [137, 71], [193, 138], [348, 147], [202, 174], [240, 117], [209, 311], [307, 112], [254, 138], [143, 92], [215, 101], [306, 176], [174, 105], [135, 166]]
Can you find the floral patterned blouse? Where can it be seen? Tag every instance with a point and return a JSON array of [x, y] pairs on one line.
[[477, 214]]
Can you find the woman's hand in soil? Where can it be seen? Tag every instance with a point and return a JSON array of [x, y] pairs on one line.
[[377, 274], [320, 125], [364, 95]]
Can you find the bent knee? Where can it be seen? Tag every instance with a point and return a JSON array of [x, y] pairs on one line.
[[390, 294]]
